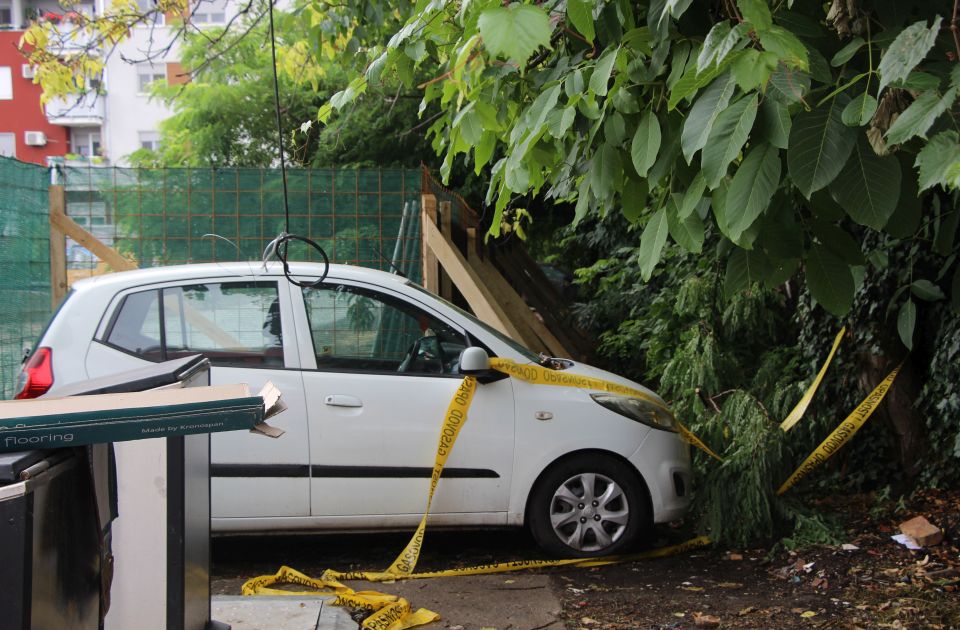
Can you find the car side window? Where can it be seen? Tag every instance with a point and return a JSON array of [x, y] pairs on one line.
[[136, 327], [358, 330], [231, 323]]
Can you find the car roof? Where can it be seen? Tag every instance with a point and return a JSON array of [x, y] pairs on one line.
[[251, 269]]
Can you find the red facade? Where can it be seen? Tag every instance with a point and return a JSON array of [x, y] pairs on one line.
[[24, 113]]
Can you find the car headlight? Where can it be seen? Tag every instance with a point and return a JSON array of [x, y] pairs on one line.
[[644, 411]]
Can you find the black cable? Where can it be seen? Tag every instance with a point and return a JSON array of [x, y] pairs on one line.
[[279, 245]]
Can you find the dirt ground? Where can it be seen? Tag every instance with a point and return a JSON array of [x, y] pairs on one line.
[[873, 583]]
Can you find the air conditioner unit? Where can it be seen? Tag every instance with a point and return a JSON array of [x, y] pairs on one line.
[[34, 138], [27, 71]]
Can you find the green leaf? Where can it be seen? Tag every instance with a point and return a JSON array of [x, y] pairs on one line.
[[917, 119], [484, 151], [819, 68], [604, 170], [691, 198], [634, 199], [839, 241], [687, 232], [780, 271], [757, 13], [785, 46], [646, 143], [580, 14], [743, 269], [601, 73], [703, 114], [907, 50], [753, 69], [776, 122], [918, 81], [752, 188], [711, 45], [868, 187], [560, 120], [788, 84], [819, 146], [652, 240], [936, 158], [846, 53], [691, 81], [515, 31], [859, 111], [906, 322], [615, 129], [829, 280], [927, 291], [727, 138]]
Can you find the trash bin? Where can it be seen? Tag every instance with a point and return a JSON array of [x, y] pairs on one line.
[[50, 552]]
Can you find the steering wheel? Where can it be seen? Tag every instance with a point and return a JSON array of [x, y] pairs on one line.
[[426, 350]]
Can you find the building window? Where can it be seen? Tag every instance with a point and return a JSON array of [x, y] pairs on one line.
[[8, 144], [6, 17], [149, 140], [6, 84], [147, 74], [209, 12], [85, 143]]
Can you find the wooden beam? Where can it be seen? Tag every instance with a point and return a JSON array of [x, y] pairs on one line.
[[446, 228], [104, 252], [538, 336], [479, 298], [431, 273], [58, 248]]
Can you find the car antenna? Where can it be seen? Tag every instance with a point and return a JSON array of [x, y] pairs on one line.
[[278, 247]]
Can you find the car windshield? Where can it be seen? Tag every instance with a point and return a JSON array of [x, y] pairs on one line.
[[526, 352]]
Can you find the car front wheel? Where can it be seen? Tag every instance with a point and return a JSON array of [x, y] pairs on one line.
[[588, 505]]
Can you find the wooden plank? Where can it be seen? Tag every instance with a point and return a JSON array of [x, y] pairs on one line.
[[536, 334], [104, 252], [468, 282], [431, 272], [446, 228], [58, 248]]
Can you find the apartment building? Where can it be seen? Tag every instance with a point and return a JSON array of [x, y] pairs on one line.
[[116, 117]]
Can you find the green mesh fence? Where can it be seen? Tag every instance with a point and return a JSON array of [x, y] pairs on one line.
[[170, 216], [156, 217], [24, 263]]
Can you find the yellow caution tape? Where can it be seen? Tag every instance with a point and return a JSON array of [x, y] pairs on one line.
[[540, 375], [797, 412], [395, 613], [453, 421], [844, 431]]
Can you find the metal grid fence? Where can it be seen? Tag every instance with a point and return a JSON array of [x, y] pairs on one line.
[[170, 216], [365, 217]]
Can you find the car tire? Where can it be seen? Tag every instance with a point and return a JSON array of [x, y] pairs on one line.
[[587, 505]]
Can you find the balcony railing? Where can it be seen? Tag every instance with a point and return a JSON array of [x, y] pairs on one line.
[[85, 110]]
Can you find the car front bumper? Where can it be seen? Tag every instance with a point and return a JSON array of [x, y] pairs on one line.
[[663, 460]]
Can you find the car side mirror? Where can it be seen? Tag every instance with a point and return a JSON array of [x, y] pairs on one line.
[[474, 361]]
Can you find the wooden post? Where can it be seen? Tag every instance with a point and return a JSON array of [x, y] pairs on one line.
[[431, 271], [483, 303], [58, 248], [536, 335], [446, 228]]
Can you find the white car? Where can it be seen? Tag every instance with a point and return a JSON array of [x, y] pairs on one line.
[[367, 363]]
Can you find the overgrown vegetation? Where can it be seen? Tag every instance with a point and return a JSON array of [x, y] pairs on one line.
[[743, 176]]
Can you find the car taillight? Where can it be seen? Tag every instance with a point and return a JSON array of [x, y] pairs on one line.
[[36, 377]]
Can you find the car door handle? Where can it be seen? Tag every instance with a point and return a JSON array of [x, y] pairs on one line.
[[339, 400]]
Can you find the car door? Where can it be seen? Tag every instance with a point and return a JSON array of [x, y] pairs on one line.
[[379, 372], [245, 328]]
